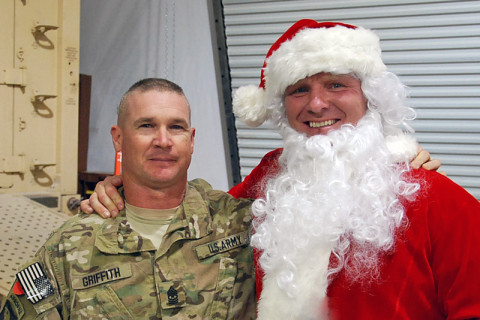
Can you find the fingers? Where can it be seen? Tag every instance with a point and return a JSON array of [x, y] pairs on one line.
[[85, 206], [433, 164], [92, 205], [101, 202], [423, 160], [115, 181], [99, 208], [109, 196], [105, 199], [422, 157]]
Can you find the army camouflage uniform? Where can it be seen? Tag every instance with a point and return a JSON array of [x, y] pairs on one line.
[[102, 269]]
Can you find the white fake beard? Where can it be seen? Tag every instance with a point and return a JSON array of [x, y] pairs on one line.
[[333, 190]]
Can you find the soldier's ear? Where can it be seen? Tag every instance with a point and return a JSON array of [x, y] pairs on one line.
[[117, 137], [192, 140]]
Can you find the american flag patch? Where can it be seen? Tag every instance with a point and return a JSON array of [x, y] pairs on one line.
[[35, 283]]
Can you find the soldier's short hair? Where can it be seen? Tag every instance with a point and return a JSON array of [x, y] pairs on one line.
[[158, 84]]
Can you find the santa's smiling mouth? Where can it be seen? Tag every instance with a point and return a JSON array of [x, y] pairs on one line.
[[319, 124]]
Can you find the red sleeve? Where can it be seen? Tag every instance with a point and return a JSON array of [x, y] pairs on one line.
[[252, 186], [259, 274], [455, 244]]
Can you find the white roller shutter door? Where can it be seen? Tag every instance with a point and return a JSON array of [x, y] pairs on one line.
[[434, 46]]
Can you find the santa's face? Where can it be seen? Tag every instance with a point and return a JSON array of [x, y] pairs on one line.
[[324, 102]]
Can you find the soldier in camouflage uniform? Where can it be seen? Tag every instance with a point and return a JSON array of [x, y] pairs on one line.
[[93, 268], [102, 269]]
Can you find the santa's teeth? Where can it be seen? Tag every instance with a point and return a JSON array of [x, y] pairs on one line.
[[321, 123]]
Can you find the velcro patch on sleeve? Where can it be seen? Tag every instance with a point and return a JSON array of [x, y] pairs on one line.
[[13, 309], [35, 283], [223, 245]]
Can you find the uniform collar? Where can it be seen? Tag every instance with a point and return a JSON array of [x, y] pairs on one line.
[[192, 220]]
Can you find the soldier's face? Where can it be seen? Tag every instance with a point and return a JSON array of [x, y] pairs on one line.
[[155, 138], [324, 102]]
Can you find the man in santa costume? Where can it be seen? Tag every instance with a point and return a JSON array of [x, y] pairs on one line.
[[344, 227]]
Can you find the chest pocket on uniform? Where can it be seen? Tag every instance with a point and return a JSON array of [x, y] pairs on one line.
[[189, 299], [98, 303], [95, 299], [111, 304], [224, 290]]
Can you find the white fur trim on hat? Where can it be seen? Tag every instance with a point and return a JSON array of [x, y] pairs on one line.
[[338, 50], [248, 105]]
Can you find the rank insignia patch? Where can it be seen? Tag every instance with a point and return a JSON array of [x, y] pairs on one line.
[[35, 283]]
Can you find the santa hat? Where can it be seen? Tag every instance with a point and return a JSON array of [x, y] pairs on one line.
[[307, 48]]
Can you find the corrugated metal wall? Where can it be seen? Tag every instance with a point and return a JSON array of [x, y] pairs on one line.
[[434, 46]]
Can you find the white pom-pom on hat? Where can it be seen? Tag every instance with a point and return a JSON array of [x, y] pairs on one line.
[[248, 105]]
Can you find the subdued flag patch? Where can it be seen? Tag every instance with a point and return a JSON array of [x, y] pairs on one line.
[[35, 283]]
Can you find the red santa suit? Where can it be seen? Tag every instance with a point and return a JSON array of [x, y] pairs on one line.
[[433, 271]]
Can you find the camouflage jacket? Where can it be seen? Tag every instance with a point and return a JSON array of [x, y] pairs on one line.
[[102, 269]]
